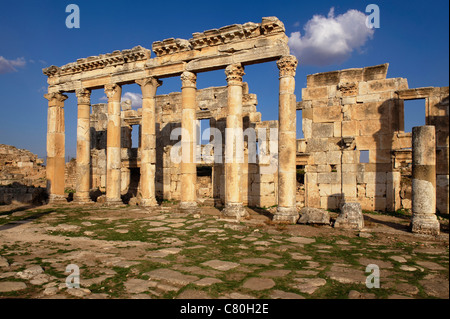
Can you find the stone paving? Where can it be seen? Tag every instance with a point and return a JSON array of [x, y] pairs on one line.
[[130, 252]]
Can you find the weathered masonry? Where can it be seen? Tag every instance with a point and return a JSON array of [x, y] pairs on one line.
[[346, 115], [353, 113], [230, 48]]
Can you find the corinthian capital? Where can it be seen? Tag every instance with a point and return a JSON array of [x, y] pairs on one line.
[[113, 92], [188, 79], [83, 96], [287, 65], [149, 86], [56, 98], [234, 73]]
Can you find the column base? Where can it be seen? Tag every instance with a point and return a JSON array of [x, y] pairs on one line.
[[148, 202], [82, 200], [188, 207], [114, 202], [57, 199], [235, 210], [286, 214], [428, 225]]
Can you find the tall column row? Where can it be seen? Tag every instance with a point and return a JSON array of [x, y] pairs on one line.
[[286, 210]]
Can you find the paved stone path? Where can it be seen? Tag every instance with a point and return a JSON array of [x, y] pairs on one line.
[[134, 253]]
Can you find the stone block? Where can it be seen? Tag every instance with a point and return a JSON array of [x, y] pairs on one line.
[[324, 190], [334, 157], [368, 98], [315, 144], [351, 217], [311, 215], [322, 130], [323, 79], [315, 93], [327, 114]]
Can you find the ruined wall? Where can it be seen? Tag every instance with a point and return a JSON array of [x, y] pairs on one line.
[[436, 104], [345, 112], [22, 176], [349, 111], [438, 115]]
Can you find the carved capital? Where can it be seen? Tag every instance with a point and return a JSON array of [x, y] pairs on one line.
[[188, 79], [234, 73], [287, 65], [113, 92], [149, 86], [83, 96], [56, 98]]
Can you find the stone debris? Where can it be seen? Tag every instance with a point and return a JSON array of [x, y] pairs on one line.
[[30, 272], [350, 217], [309, 215]]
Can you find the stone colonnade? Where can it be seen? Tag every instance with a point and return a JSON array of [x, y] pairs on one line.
[[233, 170]]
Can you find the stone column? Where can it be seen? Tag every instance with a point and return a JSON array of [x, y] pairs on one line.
[[287, 211], [233, 167], [188, 142], [424, 220], [83, 147], [113, 139], [55, 147], [148, 141]]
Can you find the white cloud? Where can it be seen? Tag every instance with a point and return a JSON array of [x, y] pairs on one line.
[[330, 40], [7, 66], [135, 98]]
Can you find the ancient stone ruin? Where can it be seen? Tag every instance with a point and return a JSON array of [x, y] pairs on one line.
[[22, 176], [344, 113]]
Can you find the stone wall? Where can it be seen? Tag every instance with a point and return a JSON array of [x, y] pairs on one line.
[[349, 111], [22, 176]]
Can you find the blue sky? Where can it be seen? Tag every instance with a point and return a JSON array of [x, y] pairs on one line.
[[413, 38]]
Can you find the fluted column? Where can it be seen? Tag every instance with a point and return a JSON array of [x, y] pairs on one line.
[[286, 210], [83, 147], [113, 158], [233, 166], [424, 220], [148, 141], [55, 147], [188, 166]]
